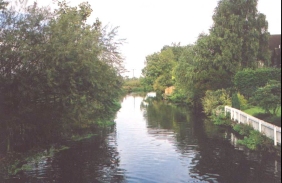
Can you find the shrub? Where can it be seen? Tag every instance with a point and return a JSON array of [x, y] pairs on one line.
[[269, 96], [256, 141], [214, 99], [178, 96], [243, 102], [221, 119], [242, 129], [248, 81]]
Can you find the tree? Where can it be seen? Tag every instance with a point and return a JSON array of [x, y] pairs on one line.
[[56, 71], [159, 70], [184, 74], [239, 35], [269, 96], [83, 65], [238, 39]]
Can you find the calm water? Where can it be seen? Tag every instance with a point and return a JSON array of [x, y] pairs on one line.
[[155, 143]]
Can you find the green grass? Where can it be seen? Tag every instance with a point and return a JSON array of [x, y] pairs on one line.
[[261, 114], [254, 110]]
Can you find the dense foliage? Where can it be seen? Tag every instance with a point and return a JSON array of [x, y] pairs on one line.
[[56, 71], [159, 70], [133, 85], [269, 96], [237, 40], [213, 99], [249, 80]]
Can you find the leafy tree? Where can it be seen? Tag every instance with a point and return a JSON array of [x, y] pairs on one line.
[[55, 62], [84, 65], [184, 75], [159, 69], [239, 35], [23, 36], [248, 81], [238, 39], [269, 96]]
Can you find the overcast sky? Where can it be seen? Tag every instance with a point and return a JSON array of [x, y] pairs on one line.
[[148, 25]]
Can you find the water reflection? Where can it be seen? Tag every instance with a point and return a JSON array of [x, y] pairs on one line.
[[156, 142], [90, 160], [212, 152]]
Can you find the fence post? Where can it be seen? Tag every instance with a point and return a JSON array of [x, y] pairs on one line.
[[259, 126], [275, 136]]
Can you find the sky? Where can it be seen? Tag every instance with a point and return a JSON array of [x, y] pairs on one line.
[[148, 25]]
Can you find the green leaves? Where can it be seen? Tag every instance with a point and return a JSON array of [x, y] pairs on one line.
[[159, 69], [269, 96], [248, 81], [244, 33], [56, 60], [213, 99]]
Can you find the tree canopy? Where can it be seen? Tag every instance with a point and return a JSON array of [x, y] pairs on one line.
[[54, 61], [238, 39]]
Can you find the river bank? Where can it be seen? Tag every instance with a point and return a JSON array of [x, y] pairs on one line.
[[156, 142]]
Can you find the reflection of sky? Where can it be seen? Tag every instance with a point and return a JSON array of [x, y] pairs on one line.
[[147, 158]]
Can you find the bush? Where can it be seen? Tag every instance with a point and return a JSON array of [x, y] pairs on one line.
[[248, 81], [256, 141], [221, 119], [214, 99], [243, 129], [243, 102], [269, 96], [178, 96]]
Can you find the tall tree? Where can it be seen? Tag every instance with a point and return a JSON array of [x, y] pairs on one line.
[[238, 39], [55, 62], [239, 35]]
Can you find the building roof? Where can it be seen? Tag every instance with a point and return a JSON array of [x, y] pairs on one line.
[[274, 41]]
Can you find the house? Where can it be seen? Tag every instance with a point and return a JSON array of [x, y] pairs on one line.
[[275, 48]]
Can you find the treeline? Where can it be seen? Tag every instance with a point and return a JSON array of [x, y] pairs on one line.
[[57, 73], [207, 73]]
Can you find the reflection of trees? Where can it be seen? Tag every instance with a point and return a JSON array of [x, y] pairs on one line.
[[215, 159], [170, 122], [90, 160], [93, 160], [222, 162]]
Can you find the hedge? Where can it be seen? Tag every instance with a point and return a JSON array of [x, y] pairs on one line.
[[248, 81]]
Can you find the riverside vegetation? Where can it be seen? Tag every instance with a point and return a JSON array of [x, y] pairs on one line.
[[60, 77], [231, 65]]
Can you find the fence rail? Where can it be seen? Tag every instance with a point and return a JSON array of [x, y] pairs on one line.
[[271, 131]]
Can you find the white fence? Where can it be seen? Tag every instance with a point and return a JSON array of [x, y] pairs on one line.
[[271, 131]]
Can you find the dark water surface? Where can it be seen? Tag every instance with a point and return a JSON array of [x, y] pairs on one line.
[[157, 143]]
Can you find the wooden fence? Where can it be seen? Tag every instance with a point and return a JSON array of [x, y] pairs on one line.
[[271, 131]]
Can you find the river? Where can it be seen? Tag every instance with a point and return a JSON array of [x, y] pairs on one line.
[[155, 142]]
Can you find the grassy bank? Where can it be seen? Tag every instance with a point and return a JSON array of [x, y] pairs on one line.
[[267, 117]]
